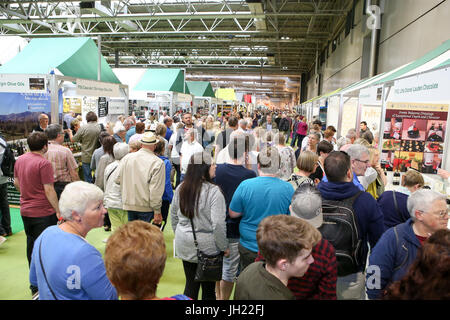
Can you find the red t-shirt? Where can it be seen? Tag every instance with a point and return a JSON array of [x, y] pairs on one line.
[[421, 239], [33, 171]]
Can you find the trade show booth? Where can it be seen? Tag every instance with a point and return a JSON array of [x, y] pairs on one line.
[[205, 102], [407, 110], [159, 89], [229, 99], [53, 76]]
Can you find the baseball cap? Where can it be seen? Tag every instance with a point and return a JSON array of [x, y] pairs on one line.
[[307, 205]]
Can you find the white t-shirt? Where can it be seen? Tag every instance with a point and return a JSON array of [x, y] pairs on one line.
[[223, 156], [172, 142], [187, 150]]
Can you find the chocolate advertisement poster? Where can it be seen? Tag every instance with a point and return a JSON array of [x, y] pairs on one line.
[[413, 136]]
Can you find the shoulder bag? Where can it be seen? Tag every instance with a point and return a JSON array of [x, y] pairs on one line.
[[209, 267], [43, 271]]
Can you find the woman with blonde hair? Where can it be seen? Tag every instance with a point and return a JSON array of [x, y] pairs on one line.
[[307, 163], [376, 188]]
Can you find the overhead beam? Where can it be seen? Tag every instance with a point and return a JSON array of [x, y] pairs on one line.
[[168, 16]]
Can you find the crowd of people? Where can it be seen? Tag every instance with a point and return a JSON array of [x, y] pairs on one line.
[[295, 212]]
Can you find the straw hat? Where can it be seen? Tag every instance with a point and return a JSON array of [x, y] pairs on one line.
[[148, 138]]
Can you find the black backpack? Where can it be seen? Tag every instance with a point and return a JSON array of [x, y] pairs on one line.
[[284, 124], [340, 227], [8, 161]]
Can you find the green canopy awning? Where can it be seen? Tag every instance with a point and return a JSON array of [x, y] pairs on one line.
[[162, 80], [200, 88], [73, 57], [444, 64]]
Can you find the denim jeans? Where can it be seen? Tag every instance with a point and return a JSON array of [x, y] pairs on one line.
[[230, 269], [136, 215], [87, 172], [294, 138]]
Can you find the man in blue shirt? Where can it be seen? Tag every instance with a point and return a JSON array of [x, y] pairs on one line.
[[258, 198], [228, 177], [168, 123], [130, 127]]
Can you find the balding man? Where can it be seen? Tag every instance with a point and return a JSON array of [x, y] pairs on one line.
[[43, 123]]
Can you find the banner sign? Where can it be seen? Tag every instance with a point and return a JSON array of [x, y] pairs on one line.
[[414, 135], [19, 113], [430, 86], [23, 83], [97, 89], [182, 97], [102, 107], [371, 96]]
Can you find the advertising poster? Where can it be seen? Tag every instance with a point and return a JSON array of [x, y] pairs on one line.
[[102, 107], [414, 136], [19, 113], [72, 104]]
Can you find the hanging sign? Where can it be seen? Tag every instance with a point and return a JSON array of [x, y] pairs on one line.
[[430, 86], [22, 83], [371, 95], [102, 107], [182, 97], [97, 89], [414, 135]]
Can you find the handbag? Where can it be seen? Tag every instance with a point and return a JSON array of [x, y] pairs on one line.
[[209, 267]]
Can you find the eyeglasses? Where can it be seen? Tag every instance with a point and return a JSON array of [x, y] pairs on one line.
[[366, 162], [441, 214]]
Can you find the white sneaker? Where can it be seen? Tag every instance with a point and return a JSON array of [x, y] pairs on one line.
[[2, 239]]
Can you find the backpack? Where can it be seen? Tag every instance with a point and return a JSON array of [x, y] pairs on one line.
[[340, 227], [284, 124], [8, 161]]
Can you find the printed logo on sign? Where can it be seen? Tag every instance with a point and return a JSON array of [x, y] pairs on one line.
[[74, 280], [374, 21]]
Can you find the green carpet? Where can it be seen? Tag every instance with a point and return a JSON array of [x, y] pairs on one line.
[[16, 220], [14, 284]]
